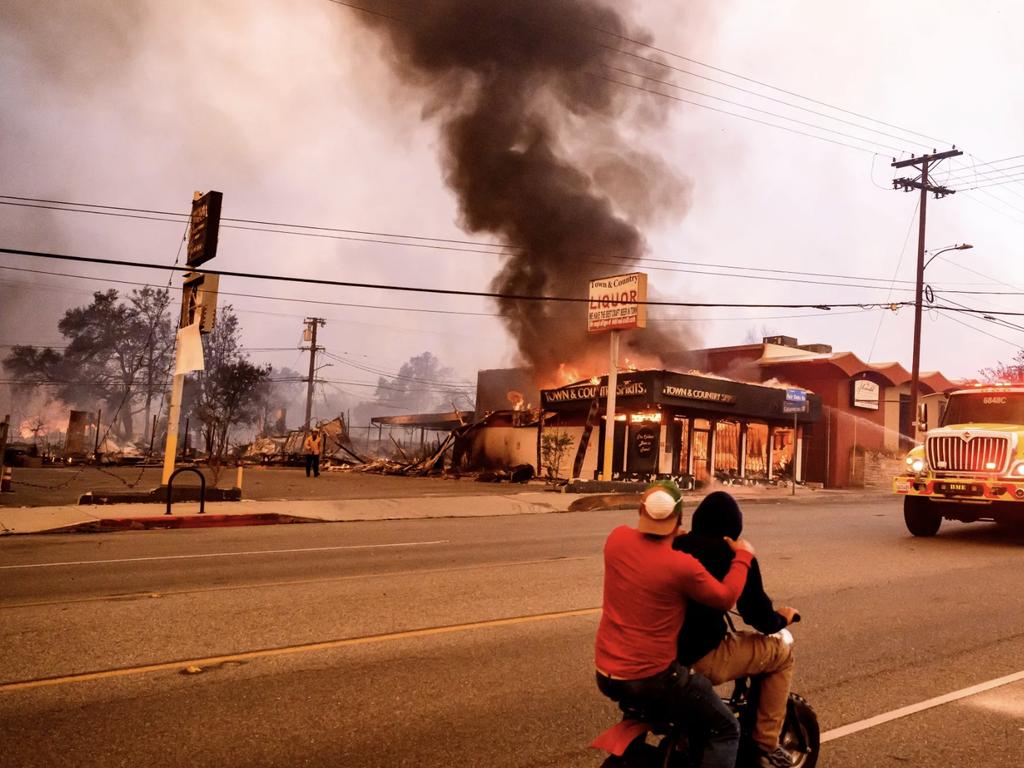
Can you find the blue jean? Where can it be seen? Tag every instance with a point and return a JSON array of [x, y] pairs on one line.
[[690, 698]]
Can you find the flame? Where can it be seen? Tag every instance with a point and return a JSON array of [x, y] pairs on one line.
[[630, 365], [567, 375], [40, 429]]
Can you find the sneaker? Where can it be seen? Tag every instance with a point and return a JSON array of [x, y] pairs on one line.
[[777, 758]]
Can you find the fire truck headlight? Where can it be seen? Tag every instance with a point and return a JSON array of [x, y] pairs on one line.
[[1018, 470], [917, 465]]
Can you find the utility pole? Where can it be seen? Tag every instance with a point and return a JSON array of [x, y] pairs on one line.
[[924, 163], [310, 335]]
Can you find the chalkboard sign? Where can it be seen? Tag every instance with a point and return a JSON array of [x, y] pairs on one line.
[[644, 441]]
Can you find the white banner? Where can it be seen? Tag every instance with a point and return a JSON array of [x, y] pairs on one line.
[[188, 354]]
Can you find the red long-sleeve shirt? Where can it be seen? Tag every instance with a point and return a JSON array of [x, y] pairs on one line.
[[646, 586]]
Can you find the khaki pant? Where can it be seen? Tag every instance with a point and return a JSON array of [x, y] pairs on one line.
[[751, 653]]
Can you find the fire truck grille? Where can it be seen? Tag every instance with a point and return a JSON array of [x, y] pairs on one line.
[[977, 454]]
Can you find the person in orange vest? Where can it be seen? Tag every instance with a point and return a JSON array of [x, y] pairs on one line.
[[313, 446]]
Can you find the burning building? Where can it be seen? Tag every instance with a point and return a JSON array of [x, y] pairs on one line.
[[696, 427]]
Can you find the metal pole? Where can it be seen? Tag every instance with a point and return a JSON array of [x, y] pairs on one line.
[[919, 288], [613, 383], [5, 427], [792, 466], [96, 437], [173, 417]]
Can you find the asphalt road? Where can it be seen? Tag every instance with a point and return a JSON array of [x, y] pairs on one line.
[[469, 641]]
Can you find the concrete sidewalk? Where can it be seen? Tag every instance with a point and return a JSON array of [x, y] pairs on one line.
[[73, 517], [113, 517]]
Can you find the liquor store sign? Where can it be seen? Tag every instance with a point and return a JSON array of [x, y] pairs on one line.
[[576, 392], [692, 393], [204, 225], [617, 303]]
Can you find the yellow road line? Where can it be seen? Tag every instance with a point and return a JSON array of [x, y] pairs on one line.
[[293, 649], [204, 555]]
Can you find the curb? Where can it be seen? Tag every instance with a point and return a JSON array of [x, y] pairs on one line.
[[112, 524]]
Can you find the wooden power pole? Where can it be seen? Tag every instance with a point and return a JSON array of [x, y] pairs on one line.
[[312, 323], [924, 163]]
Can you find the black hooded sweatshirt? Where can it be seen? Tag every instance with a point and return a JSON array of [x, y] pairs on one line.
[[716, 516]]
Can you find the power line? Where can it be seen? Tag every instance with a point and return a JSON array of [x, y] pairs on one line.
[[1009, 180], [390, 374], [899, 263], [763, 84], [976, 272], [511, 296], [971, 172], [788, 104], [414, 289], [733, 114], [184, 219], [1000, 173], [747, 106], [650, 318], [256, 295], [974, 198], [978, 330], [664, 65], [483, 249], [470, 242]]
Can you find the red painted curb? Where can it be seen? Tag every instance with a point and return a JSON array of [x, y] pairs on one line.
[[108, 524]]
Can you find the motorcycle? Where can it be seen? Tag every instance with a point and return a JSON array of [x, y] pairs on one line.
[[644, 738]]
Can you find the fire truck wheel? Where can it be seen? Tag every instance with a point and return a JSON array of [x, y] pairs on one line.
[[920, 520]]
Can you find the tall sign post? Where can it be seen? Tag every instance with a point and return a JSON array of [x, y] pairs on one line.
[[198, 312], [617, 303]]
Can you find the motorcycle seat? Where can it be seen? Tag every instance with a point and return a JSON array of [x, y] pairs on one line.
[[654, 715]]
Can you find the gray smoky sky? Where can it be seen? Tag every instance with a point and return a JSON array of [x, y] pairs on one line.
[[309, 112], [511, 85]]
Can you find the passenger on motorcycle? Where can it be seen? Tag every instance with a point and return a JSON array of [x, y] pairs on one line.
[[705, 642], [648, 589]]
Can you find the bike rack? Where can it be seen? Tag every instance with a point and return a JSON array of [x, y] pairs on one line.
[[202, 488]]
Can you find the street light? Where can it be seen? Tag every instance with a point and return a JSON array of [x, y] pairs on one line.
[[915, 372]]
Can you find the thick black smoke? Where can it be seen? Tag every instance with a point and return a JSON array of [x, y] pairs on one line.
[[532, 152]]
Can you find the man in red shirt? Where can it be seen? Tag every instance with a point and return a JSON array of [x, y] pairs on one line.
[[646, 587]]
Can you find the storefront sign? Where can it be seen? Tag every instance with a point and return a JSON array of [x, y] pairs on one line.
[[795, 402], [617, 303], [865, 394], [577, 392], [689, 393]]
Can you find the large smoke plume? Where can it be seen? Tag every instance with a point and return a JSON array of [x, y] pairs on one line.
[[533, 151]]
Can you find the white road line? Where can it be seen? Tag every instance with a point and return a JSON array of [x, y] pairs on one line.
[[223, 554], [913, 709]]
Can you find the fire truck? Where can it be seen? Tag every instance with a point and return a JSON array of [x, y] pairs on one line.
[[971, 467]]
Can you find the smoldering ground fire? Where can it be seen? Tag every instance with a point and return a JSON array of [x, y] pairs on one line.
[[532, 150]]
